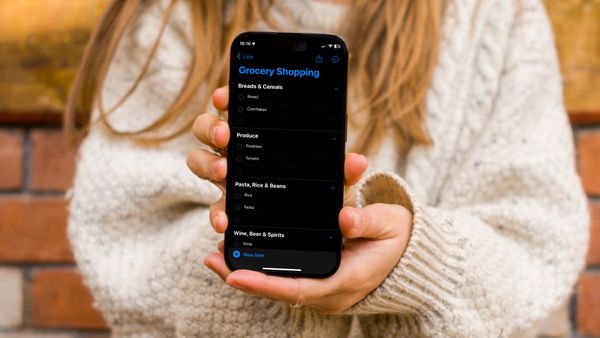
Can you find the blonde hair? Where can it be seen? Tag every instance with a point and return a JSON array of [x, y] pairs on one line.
[[393, 46]]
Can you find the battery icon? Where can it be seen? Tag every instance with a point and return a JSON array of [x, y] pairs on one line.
[[337, 46]]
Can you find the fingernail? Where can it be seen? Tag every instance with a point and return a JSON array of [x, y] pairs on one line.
[[221, 215], [355, 218], [214, 221], [237, 286], [219, 163], [213, 134], [213, 169]]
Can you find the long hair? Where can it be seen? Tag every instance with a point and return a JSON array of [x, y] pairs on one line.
[[393, 46]]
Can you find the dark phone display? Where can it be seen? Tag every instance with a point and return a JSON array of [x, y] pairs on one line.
[[287, 114]]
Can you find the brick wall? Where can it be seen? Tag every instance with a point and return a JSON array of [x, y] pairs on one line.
[[41, 293], [577, 29], [588, 289]]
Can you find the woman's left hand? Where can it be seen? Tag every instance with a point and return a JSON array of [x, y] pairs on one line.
[[376, 237]]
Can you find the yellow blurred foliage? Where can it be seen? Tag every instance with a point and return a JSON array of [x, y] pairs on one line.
[[41, 42], [577, 29], [23, 18]]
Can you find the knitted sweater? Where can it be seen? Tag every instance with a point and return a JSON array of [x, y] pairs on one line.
[[500, 221]]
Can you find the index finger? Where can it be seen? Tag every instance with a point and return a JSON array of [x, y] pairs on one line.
[[220, 98]]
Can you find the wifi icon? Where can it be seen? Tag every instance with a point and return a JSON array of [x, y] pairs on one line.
[[329, 45]]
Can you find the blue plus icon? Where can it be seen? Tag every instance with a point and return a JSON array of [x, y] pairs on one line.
[[236, 254]]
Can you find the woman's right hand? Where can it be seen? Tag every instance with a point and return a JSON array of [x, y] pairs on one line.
[[214, 132], [378, 230]]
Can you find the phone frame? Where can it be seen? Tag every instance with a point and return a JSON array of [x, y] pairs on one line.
[[292, 37]]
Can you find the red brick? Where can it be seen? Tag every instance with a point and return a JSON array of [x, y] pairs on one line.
[[52, 160], [11, 159], [588, 304], [593, 257], [588, 146], [33, 230], [59, 299]]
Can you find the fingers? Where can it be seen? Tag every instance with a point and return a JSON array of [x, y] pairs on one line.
[[354, 166], [207, 165], [216, 262], [211, 130], [290, 290], [218, 217], [221, 98], [375, 221]]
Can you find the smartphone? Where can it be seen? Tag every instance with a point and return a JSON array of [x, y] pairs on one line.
[[285, 176]]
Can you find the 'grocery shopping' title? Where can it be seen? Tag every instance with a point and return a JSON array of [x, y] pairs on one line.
[[280, 71]]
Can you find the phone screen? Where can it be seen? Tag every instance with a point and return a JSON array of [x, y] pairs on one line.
[[285, 181]]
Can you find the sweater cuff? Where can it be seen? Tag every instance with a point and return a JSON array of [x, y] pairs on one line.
[[426, 279]]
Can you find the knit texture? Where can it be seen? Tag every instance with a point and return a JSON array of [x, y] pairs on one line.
[[500, 221]]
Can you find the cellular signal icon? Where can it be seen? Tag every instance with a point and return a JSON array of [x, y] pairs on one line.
[[332, 45]]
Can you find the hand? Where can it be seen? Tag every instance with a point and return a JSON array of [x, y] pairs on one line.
[[376, 235]]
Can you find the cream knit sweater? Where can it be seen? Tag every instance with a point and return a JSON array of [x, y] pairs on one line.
[[500, 221]]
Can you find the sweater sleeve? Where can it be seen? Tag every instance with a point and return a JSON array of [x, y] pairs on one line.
[[138, 221], [138, 226], [506, 239]]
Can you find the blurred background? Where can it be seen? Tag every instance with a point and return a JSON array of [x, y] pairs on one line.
[[41, 42]]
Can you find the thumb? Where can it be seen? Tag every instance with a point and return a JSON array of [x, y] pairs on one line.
[[375, 221]]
